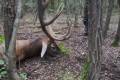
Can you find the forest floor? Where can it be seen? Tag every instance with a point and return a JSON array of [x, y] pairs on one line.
[[68, 67]]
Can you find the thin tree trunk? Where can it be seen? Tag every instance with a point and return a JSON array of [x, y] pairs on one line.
[[76, 13], [85, 18], [116, 42], [94, 39], [76, 20], [118, 32], [109, 13], [118, 3], [117, 37]]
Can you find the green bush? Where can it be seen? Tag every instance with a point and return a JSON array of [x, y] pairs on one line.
[[23, 75], [4, 72], [63, 49], [85, 70], [3, 69], [2, 39], [116, 42]]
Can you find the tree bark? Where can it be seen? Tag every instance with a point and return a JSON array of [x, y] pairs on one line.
[[118, 32], [11, 23], [85, 18], [109, 13], [9, 17], [94, 39], [117, 37], [118, 2], [76, 13]]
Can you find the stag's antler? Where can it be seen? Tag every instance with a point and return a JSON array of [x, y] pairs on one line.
[[42, 5]]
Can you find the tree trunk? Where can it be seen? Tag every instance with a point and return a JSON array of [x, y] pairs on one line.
[[76, 13], [94, 39], [117, 37], [118, 2], [76, 20], [9, 17], [10, 29], [116, 42], [109, 13], [85, 18], [118, 32]]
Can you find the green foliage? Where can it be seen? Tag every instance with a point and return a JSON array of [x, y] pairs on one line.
[[28, 6], [115, 43], [4, 72], [55, 5], [3, 69], [2, 62], [2, 39], [85, 70], [29, 3], [23, 75], [63, 49]]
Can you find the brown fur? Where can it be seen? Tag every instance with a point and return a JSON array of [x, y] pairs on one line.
[[27, 48]]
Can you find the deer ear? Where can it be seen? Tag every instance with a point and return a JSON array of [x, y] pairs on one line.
[[44, 48]]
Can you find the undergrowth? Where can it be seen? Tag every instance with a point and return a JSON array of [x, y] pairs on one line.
[[23, 75], [2, 39], [4, 72], [66, 75], [63, 49], [85, 70], [3, 69], [116, 43]]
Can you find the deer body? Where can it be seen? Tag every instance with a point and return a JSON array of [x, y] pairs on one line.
[[27, 48]]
